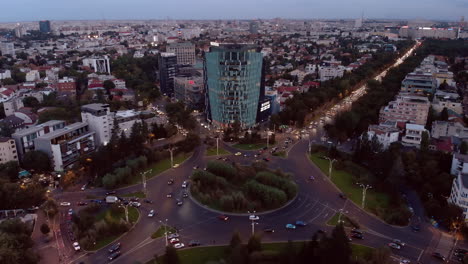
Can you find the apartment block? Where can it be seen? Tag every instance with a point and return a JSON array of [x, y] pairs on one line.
[[185, 52], [100, 120], [406, 108], [7, 150]]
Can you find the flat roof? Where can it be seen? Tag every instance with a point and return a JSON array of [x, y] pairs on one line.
[[63, 131], [25, 132], [95, 106]]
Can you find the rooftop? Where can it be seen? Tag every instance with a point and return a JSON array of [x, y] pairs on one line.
[[63, 131], [34, 129], [95, 107]]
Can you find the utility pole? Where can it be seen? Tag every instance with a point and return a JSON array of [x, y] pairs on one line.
[[330, 166], [125, 207], [364, 191], [165, 229], [253, 223], [171, 150]]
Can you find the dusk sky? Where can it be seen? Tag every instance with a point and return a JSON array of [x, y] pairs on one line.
[[31, 10]]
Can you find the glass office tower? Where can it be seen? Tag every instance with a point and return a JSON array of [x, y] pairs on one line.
[[233, 75]]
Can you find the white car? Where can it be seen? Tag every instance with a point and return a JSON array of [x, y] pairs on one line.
[[151, 213], [179, 245], [76, 246], [65, 204], [174, 240], [176, 165], [184, 184], [253, 217], [238, 154], [83, 188]]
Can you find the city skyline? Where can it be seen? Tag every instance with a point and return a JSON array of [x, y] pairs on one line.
[[209, 9]]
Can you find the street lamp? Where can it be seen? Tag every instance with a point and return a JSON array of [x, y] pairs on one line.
[[165, 229], [341, 212], [252, 217], [143, 179], [125, 207], [364, 190], [330, 166]]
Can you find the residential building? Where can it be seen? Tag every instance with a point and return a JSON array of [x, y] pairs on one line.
[[99, 65], [44, 26], [66, 145], [413, 135], [448, 129], [167, 71], [25, 138], [126, 119], [330, 72], [253, 27], [185, 52], [419, 82], [33, 76], [7, 150], [386, 135], [459, 193], [233, 81], [406, 108], [5, 74], [100, 121], [66, 84], [12, 105], [459, 164], [7, 48], [189, 89]]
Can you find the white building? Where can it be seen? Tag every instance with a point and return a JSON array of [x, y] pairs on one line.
[[5, 74], [12, 105], [331, 72], [101, 65], [33, 76], [459, 193], [7, 48], [448, 129], [126, 119], [100, 121], [7, 150], [386, 135], [413, 134], [459, 164]]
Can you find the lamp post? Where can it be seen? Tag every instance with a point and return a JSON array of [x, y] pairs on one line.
[[171, 150], [364, 190], [165, 229], [330, 166], [125, 207], [143, 179], [253, 223]]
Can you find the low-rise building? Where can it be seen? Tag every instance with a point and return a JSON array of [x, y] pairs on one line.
[[66, 85], [65, 146], [448, 129], [386, 135], [33, 76], [413, 135], [126, 119], [7, 150], [459, 164], [5, 74], [406, 108]]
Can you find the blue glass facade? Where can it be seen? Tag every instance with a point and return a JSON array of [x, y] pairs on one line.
[[233, 84]]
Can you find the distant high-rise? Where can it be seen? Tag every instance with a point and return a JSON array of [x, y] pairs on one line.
[[167, 71], [185, 52], [253, 27], [233, 84], [44, 26]]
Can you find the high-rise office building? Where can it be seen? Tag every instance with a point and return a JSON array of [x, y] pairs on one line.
[[167, 71], [233, 84], [44, 26], [185, 52]]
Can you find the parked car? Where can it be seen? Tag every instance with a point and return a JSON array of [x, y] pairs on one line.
[[398, 242], [415, 228], [81, 203], [437, 255], [343, 196], [185, 184], [176, 165], [268, 230], [83, 188], [171, 236], [110, 192], [184, 194], [290, 226], [114, 247], [114, 255], [179, 245], [356, 231], [194, 243], [76, 246], [357, 235], [151, 213], [174, 240], [394, 245], [148, 201], [223, 217]]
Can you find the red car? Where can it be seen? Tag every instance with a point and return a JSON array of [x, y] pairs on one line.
[[223, 217]]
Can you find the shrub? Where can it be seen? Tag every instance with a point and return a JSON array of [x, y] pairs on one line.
[[222, 169], [269, 196]]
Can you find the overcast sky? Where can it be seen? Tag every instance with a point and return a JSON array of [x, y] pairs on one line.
[[32, 10]]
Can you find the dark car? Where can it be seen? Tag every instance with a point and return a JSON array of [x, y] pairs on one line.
[[148, 201], [114, 248], [266, 159], [179, 202], [82, 203], [268, 230], [134, 199], [223, 217], [110, 192], [301, 223], [415, 228], [357, 235], [170, 182], [438, 256], [321, 231], [461, 251], [194, 243], [114, 255], [356, 231], [343, 196], [185, 195]]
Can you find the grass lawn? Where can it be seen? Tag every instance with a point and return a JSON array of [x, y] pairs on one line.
[[161, 230], [135, 194], [281, 154], [108, 215], [160, 166], [345, 182], [204, 255], [212, 152], [250, 146]]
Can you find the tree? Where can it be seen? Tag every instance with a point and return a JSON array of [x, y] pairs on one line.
[[336, 248], [108, 85], [50, 208], [425, 141], [254, 244], [235, 240], [444, 114], [30, 102], [45, 229], [171, 256], [16, 243], [36, 160]]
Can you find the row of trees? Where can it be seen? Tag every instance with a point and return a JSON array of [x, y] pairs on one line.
[[237, 188], [123, 175], [298, 107], [16, 243], [334, 248]]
